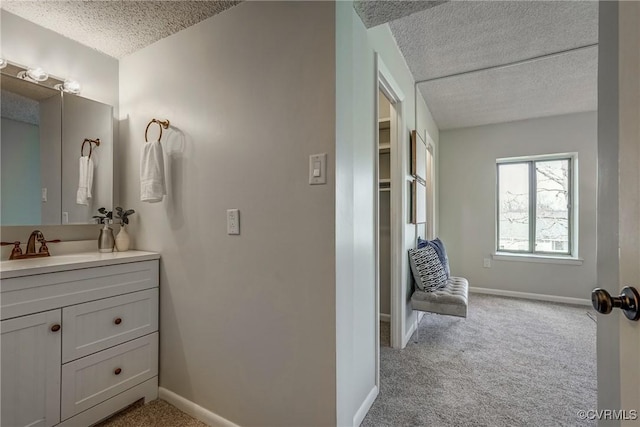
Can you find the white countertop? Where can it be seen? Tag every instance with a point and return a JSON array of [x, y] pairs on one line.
[[51, 264]]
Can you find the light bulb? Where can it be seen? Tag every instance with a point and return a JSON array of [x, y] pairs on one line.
[[71, 86], [37, 74]]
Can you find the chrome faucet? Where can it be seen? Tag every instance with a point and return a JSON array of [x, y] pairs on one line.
[[36, 235]]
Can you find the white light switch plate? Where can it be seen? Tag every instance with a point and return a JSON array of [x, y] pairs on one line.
[[318, 169], [233, 221]]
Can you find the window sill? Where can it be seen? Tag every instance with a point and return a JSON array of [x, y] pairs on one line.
[[543, 259]]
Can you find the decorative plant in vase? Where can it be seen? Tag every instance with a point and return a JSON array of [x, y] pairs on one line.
[[122, 239], [106, 215], [106, 240]]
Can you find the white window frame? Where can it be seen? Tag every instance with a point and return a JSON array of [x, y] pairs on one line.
[[532, 255]]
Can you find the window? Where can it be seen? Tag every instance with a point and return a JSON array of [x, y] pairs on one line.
[[535, 205]]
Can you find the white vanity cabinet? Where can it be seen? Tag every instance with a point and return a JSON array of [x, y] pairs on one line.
[[79, 337]]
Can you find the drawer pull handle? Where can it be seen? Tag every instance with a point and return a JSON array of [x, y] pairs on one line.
[[117, 321], [117, 371], [55, 328]]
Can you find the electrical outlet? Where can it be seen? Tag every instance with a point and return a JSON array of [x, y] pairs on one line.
[[44, 194], [233, 221], [65, 217], [487, 263]]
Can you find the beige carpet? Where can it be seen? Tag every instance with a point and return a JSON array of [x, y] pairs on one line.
[[510, 363], [385, 334], [157, 413]]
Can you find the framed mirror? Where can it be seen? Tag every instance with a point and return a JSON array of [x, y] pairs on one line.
[[42, 133]]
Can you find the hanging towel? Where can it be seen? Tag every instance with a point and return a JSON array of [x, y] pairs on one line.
[[152, 186], [85, 180]]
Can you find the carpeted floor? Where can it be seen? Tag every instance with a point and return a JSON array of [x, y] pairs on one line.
[[510, 363], [385, 334], [157, 413]]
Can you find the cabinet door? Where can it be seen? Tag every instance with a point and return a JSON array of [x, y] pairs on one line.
[[30, 376]]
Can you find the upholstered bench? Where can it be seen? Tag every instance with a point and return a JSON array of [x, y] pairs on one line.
[[451, 300]]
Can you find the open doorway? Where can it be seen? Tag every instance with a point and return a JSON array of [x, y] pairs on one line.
[[389, 208], [468, 149], [384, 215]]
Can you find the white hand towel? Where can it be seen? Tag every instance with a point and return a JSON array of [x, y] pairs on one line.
[[85, 180], [152, 186]]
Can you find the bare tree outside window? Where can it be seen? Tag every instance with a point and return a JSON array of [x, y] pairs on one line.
[[514, 207], [534, 206]]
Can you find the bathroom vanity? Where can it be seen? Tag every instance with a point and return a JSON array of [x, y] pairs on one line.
[[79, 336]]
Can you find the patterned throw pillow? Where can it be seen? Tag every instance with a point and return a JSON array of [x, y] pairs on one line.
[[439, 247], [427, 269]]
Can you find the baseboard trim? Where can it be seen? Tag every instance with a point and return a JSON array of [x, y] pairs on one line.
[[410, 330], [385, 317], [527, 295], [193, 409], [366, 405]]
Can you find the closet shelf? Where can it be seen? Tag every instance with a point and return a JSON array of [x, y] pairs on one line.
[[384, 181], [384, 123], [384, 148]]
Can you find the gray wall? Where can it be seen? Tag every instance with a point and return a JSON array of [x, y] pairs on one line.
[[26, 43], [248, 322], [468, 202]]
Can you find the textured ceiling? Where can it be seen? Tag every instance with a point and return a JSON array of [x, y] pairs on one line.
[[559, 85], [437, 38], [116, 28], [461, 36], [376, 12]]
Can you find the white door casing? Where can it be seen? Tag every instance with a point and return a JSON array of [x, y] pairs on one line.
[[391, 89]]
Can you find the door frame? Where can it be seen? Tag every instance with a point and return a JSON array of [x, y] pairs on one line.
[[386, 83]]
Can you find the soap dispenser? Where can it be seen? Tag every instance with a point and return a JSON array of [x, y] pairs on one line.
[[106, 241]]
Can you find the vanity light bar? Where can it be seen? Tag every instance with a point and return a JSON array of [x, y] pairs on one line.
[[39, 76]]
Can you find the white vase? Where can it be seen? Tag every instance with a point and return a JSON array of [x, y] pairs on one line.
[[122, 239]]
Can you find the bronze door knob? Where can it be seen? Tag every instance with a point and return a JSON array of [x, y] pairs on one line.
[[628, 301]]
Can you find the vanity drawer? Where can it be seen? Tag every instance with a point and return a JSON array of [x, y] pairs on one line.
[[42, 292], [93, 379], [96, 325]]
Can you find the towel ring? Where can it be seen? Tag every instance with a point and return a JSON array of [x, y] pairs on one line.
[[161, 124], [90, 141]]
